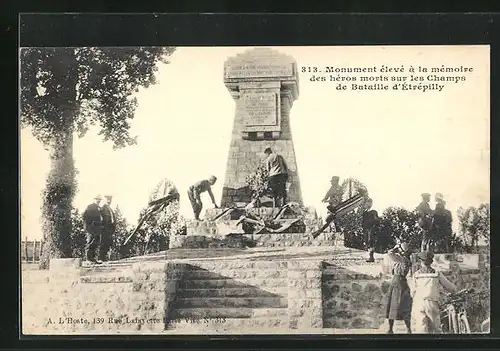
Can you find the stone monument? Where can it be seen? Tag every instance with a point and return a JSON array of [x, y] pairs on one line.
[[264, 85]]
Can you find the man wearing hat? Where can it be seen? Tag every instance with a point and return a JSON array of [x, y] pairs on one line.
[[196, 190], [92, 223], [425, 221], [441, 224], [334, 195], [108, 230], [426, 283]]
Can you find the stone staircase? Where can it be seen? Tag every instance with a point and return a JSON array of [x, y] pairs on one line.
[[225, 295]]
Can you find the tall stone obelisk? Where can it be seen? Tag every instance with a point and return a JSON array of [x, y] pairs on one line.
[[264, 84]]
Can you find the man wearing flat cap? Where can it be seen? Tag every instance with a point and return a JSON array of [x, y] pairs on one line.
[[425, 291], [425, 221], [92, 223], [441, 225], [334, 195], [108, 228]]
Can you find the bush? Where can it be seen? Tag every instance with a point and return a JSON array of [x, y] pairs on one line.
[[257, 181], [474, 223]]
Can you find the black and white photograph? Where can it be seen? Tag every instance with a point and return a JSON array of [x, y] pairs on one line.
[[231, 190]]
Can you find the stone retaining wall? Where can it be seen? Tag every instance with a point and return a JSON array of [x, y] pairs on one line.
[[139, 299], [352, 300], [61, 301]]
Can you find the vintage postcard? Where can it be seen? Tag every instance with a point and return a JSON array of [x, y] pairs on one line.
[[255, 190]]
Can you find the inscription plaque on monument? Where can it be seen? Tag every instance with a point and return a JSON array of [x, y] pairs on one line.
[[260, 109], [258, 70]]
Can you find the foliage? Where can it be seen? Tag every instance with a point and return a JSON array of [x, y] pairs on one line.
[[78, 236], [400, 225], [478, 309], [352, 186], [474, 223], [155, 232], [122, 231], [350, 223], [257, 181], [95, 84], [67, 90]]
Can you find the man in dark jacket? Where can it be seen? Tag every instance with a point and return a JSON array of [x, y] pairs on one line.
[[441, 224], [277, 176], [370, 223], [92, 223], [108, 230], [425, 221]]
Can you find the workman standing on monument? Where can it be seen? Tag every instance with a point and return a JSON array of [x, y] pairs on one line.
[[195, 191], [277, 176], [92, 224], [334, 195]]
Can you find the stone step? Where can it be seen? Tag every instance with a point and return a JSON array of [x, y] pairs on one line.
[[237, 264], [223, 312], [235, 274], [228, 323], [232, 283], [234, 292], [229, 302]]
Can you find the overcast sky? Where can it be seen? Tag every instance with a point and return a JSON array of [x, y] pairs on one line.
[[399, 144]]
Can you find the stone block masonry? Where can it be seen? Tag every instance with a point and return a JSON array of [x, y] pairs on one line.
[[264, 84], [305, 309], [156, 297], [122, 301]]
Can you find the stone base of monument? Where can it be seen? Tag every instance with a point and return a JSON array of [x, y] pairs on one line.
[[220, 228], [305, 290]]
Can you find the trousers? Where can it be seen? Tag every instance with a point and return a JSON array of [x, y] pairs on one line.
[[277, 184], [426, 317], [93, 237], [196, 203]]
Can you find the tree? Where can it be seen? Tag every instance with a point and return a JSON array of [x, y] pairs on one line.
[[398, 224], [66, 90], [351, 187], [474, 222], [122, 230]]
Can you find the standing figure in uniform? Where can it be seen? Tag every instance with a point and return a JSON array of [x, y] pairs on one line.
[[441, 225], [108, 228], [277, 173], [334, 195], [370, 223], [398, 300], [194, 192], [92, 223], [425, 221], [426, 314]]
